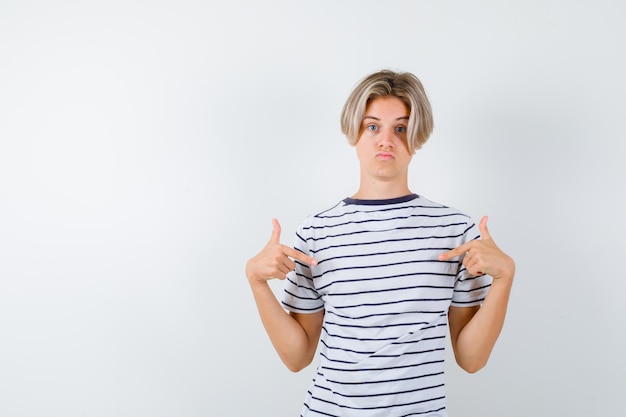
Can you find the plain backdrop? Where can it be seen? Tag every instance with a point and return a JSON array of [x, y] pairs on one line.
[[145, 147]]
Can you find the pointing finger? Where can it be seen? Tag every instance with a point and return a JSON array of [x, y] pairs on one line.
[[296, 254], [460, 250], [484, 231]]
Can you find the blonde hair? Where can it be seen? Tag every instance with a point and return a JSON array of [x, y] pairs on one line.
[[404, 85]]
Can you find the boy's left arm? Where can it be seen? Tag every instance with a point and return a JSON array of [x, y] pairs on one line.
[[474, 330]]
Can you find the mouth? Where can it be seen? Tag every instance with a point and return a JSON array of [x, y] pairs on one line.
[[385, 156]]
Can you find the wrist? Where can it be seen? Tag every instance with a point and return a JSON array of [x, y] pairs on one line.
[[506, 275], [255, 281], [504, 279]]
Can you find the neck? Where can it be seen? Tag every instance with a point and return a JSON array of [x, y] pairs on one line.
[[381, 190]]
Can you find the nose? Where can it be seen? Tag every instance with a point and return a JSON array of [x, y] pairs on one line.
[[386, 138]]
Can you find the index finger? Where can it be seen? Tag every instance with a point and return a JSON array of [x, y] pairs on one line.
[[296, 254], [459, 250]]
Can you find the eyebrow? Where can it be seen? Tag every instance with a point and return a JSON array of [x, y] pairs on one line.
[[376, 118]]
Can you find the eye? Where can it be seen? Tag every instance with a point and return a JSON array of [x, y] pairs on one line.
[[372, 128], [401, 129]]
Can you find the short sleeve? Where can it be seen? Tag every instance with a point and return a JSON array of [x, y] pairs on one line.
[[470, 290], [300, 295]]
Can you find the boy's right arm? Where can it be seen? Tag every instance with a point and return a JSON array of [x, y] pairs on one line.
[[294, 336]]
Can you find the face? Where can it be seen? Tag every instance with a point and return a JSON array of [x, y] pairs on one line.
[[382, 146]]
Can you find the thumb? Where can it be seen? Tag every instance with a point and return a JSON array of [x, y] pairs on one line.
[[275, 238], [484, 231]]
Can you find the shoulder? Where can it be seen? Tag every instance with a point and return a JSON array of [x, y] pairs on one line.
[[459, 224], [434, 208], [328, 216]]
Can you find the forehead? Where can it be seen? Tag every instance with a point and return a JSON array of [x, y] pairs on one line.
[[388, 106]]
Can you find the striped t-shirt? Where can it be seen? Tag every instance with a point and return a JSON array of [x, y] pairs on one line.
[[386, 299]]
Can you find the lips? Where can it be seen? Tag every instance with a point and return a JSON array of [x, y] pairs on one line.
[[385, 156]]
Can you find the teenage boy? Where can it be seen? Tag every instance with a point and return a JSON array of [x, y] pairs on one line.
[[379, 278]]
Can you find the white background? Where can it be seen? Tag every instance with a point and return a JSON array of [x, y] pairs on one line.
[[146, 145]]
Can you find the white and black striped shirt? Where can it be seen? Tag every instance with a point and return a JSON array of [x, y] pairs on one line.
[[386, 299]]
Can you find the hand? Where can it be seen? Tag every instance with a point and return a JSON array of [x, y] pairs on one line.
[[483, 256], [274, 261]]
